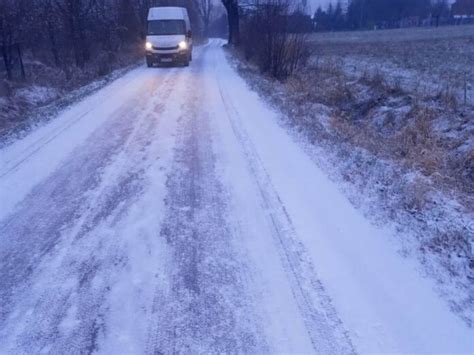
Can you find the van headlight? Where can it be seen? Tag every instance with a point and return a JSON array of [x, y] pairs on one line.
[[148, 45], [183, 45]]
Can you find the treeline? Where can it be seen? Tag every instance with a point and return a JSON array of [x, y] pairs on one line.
[[75, 33], [370, 14]]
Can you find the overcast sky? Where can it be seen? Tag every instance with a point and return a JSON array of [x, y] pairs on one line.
[[313, 4], [316, 3]]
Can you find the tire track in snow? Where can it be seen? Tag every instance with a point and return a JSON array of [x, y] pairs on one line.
[[206, 309], [45, 232], [324, 327], [126, 180]]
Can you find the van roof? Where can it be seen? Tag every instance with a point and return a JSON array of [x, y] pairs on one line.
[[167, 13]]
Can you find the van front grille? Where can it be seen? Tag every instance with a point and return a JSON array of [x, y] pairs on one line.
[[165, 48]]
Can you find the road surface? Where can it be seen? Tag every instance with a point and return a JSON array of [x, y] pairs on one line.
[[169, 212]]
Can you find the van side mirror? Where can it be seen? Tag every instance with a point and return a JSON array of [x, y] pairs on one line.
[[189, 34]]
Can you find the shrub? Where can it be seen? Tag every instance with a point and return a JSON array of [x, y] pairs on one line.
[[268, 40]]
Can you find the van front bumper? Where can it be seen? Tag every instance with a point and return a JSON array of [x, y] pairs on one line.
[[169, 57]]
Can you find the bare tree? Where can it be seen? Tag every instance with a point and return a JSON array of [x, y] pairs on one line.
[[233, 18], [439, 9], [205, 8], [99, 34], [268, 39], [74, 13], [11, 29], [50, 19]]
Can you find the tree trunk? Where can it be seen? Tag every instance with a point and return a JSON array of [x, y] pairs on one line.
[[232, 8], [84, 45], [6, 60], [236, 25], [53, 43], [230, 19], [75, 41]]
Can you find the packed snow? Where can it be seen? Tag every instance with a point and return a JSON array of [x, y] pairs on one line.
[[170, 212]]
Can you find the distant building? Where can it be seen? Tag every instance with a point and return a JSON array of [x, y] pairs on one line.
[[463, 9]]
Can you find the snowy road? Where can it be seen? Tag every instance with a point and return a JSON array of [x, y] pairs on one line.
[[169, 212]]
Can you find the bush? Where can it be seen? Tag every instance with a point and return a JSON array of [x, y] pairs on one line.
[[268, 40]]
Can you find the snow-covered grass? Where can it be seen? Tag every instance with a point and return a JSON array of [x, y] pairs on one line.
[[37, 95], [33, 106], [403, 155], [25, 104]]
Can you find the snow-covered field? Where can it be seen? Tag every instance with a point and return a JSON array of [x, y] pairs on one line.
[[170, 212], [426, 60]]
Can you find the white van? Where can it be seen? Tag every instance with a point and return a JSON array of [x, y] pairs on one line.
[[169, 37]]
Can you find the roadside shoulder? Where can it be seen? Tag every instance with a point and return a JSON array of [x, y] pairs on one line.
[[432, 226]]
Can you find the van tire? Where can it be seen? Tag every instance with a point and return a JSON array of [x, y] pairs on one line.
[[149, 63], [186, 63]]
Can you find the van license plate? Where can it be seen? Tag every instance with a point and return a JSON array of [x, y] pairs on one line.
[[166, 60]]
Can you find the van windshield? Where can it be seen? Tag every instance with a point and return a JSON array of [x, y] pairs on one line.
[[166, 27]]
